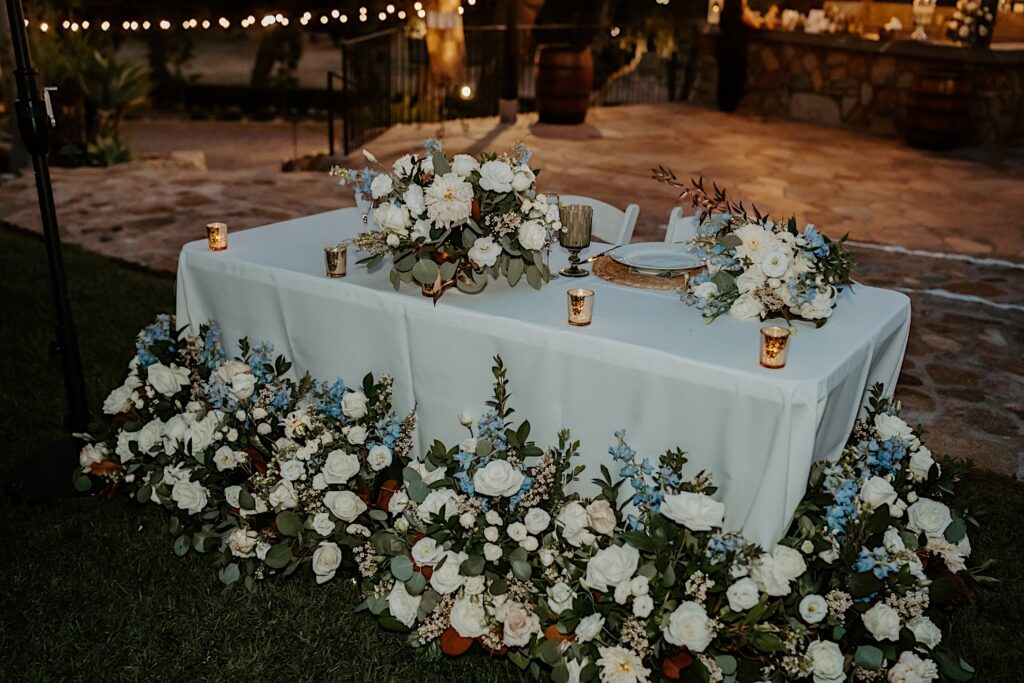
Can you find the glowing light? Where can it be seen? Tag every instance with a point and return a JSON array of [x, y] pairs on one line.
[[323, 20], [224, 23], [284, 21], [145, 26], [615, 31], [304, 20], [126, 25], [66, 24], [268, 20], [462, 10], [417, 6], [105, 26], [343, 19], [44, 27], [335, 13], [382, 16], [164, 24], [85, 24], [465, 92], [134, 26], [421, 13], [470, 2], [185, 25], [401, 14], [74, 26], [390, 9], [362, 10], [362, 17], [206, 23]]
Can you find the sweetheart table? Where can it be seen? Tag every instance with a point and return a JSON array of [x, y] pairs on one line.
[[648, 363]]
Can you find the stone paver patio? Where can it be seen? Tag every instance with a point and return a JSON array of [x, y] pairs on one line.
[[964, 374]]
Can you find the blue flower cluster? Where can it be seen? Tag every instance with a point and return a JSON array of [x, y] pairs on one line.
[[387, 431], [815, 241], [490, 426], [281, 399], [513, 502], [330, 397], [882, 458], [432, 145], [524, 153], [219, 394], [645, 494], [262, 362], [721, 546], [212, 354], [160, 332], [844, 492], [877, 561]]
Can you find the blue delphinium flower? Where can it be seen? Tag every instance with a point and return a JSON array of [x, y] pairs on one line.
[[262, 362], [720, 546], [524, 153], [387, 430], [159, 332], [432, 145], [465, 483], [876, 561], [281, 399], [330, 399], [518, 496], [212, 353], [839, 514], [491, 427], [815, 241]]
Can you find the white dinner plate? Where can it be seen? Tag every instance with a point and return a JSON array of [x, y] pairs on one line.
[[658, 256]]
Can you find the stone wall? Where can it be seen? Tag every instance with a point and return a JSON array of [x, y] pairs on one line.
[[860, 85]]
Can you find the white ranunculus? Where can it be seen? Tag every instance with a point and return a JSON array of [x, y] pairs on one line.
[[695, 511], [292, 470], [560, 597], [882, 622], [929, 517], [532, 235], [323, 524], [610, 566], [520, 625], [437, 501], [354, 405], [826, 662], [491, 533], [493, 518], [639, 585], [920, 463], [705, 290], [326, 560], [190, 496], [747, 307], [356, 435], [589, 627], [601, 516], [378, 458], [813, 608], [768, 577], [622, 594], [413, 198], [283, 496], [475, 585], [688, 626], [742, 595], [402, 605], [381, 186], [167, 380], [496, 176], [151, 435], [889, 426], [468, 618], [225, 459], [925, 631], [426, 552], [547, 557], [485, 252], [536, 520], [242, 542], [340, 467], [344, 505], [463, 164], [91, 454], [118, 401], [517, 531], [574, 521], [492, 552], [643, 606], [775, 263], [913, 669], [877, 492], [498, 479], [467, 520], [446, 578], [749, 280]]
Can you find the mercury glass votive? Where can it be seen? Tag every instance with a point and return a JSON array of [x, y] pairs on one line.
[[774, 346], [336, 260], [581, 307], [217, 236]]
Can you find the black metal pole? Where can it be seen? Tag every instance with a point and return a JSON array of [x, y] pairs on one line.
[[34, 124], [509, 101], [330, 113]]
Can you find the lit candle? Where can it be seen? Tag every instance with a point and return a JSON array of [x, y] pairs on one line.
[[337, 260], [217, 235], [774, 347], [581, 307]]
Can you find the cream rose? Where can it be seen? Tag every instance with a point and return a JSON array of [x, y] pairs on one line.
[[695, 511], [520, 625], [928, 517], [379, 457], [913, 669], [356, 435], [747, 307], [340, 467], [446, 578], [574, 521], [560, 597], [151, 435], [536, 520], [484, 252], [413, 199], [426, 552], [532, 235], [190, 496], [925, 631], [242, 542], [344, 505], [323, 524], [920, 463], [601, 516], [292, 470], [381, 186], [498, 479], [826, 662], [326, 560], [813, 608], [463, 165], [437, 501], [468, 618], [705, 290], [496, 176], [167, 380], [610, 566], [354, 405], [402, 605], [882, 622], [877, 492], [118, 401], [589, 627], [688, 626], [91, 454], [742, 595], [889, 426], [283, 496]]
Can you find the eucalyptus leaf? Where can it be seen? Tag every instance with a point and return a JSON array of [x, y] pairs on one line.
[[515, 271], [181, 545], [401, 567], [425, 271], [278, 556], [416, 584], [288, 523], [869, 657], [229, 574]]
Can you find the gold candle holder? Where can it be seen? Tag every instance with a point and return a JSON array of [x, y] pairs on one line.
[[774, 347], [581, 307], [577, 223], [217, 236], [336, 258]]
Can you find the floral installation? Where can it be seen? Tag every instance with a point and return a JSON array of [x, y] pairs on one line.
[[450, 221], [971, 23], [759, 268], [263, 472]]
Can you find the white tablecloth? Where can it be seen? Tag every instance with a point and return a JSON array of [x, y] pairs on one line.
[[648, 362]]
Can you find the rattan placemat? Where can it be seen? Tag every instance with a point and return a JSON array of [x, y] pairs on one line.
[[608, 269]]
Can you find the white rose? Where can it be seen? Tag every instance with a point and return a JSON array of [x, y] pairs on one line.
[[354, 405], [263, 429], [356, 435], [523, 179], [475, 585], [768, 577], [536, 520], [292, 470], [610, 566], [925, 631], [484, 252], [118, 401], [238, 376], [749, 280], [174, 432], [493, 518], [775, 264], [468, 618], [231, 494], [200, 434], [323, 524], [889, 426], [813, 609], [242, 542], [344, 505], [695, 511], [167, 380], [742, 595], [601, 516], [491, 533], [574, 521], [398, 503], [643, 606], [381, 186], [639, 585], [920, 463], [560, 597], [463, 165], [190, 496], [357, 530], [705, 290], [589, 628], [402, 605], [91, 454], [747, 307], [446, 578], [877, 492], [826, 662], [426, 552], [437, 501], [913, 669], [225, 459], [520, 625], [789, 562], [379, 457], [883, 622], [622, 593], [326, 560], [517, 531], [532, 235], [413, 198], [467, 520], [928, 517], [688, 626], [339, 467], [492, 553], [123, 448], [496, 176], [547, 557], [429, 476], [150, 436], [465, 418], [498, 478], [283, 496]]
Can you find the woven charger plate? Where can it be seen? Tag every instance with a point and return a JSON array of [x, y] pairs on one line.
[[611, 270]]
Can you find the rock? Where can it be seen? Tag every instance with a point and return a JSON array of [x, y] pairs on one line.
[[815, 108], [941, 343]]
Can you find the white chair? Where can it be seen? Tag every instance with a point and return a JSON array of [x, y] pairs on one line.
[[680, 228], [611, 225]]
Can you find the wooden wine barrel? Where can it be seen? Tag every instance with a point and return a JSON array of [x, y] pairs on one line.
[[564, 79], [939, 110]]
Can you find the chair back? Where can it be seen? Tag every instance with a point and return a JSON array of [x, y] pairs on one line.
[[680, 228], [611, 225]]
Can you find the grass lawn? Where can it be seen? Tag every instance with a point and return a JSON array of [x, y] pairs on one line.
[[92, 590]]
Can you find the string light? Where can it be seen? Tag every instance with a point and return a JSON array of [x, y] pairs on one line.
[[323, 19], [224, 23], [44, 27], [105, 26], [390, 9], [164, 24], [85, 24], [382, 16], [146, 25], [343, 19], [401, 14]]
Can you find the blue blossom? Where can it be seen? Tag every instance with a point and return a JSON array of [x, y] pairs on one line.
[[881, 458], [634, 522], [329, 399], [159, 332], [212, 353], [720, 546], [465, 483], [815, 241], [524, 153], [219, 394], [281, 399], [388, 430], [491, 427], [523, 488], [262, 362], [876, 561], [432, 145]]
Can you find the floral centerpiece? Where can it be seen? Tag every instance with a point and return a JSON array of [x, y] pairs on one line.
[[759, 268], [971, 23], [451, 221]]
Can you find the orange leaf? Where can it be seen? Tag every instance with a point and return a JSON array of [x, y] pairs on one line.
[[673, 665], [452, 644], [552, 633]]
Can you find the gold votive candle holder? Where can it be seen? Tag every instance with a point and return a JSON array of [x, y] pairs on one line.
[[774, 346], [336, 260], [217, 236], [581, 307]]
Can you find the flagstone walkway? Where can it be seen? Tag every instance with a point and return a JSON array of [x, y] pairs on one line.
[[964, 374]]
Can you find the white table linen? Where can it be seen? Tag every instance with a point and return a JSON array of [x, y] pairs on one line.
[[648, 363]]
